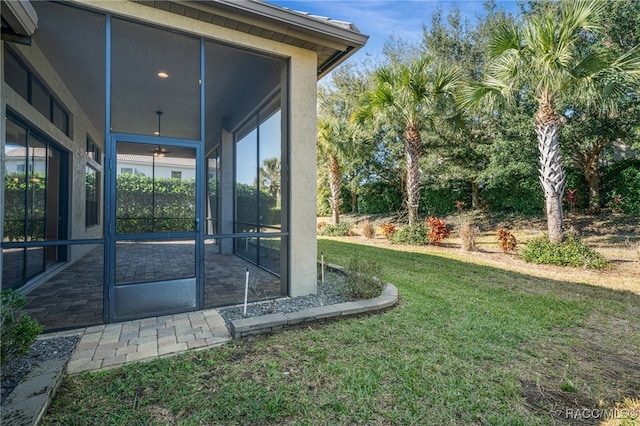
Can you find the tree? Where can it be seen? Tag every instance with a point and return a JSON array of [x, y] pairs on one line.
[[463, 145], [333, 138], [541, 58], [341, 146], [411, 95], [590, 132], [270, 177]]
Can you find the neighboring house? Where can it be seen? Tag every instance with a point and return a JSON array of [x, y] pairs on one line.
[[160, 167], [88, 87]]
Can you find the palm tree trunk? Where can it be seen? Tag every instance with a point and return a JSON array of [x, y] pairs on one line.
[[552, 176], [335, 179], [413, 150]]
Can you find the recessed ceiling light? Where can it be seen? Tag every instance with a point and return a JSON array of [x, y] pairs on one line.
[[163, 74]]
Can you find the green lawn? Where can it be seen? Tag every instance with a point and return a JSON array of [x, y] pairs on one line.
[[467, 344]]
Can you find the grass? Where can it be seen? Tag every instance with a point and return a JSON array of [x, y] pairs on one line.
[[468, 344]]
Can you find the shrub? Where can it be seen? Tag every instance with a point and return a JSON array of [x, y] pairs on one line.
[[361, 281], [468, 234], [507, 240], [368, 230], [414, 235], [388, 229], [321, 225], [615, 203], [572, 252], [437, 200], [522, 196], [622, 179], [338, 230], [572, 198], [19, 330], [438, 230]]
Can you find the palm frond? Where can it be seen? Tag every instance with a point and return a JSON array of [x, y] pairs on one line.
[[505, 38], [581, 15], [629, 63], [481, 96], [591, 64]]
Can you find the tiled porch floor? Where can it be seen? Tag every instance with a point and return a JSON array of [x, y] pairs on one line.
[[73, 297]]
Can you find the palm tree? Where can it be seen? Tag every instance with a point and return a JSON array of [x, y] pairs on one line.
[[413, 96], [544, 57], [334, 140], [270, 177]]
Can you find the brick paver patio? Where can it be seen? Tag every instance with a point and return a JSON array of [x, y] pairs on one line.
[[73, 297]]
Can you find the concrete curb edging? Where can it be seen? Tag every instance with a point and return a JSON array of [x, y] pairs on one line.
[[31, 398], [269, 323]]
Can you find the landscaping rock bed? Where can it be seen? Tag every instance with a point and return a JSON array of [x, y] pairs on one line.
[[42, 350], [328, 294]]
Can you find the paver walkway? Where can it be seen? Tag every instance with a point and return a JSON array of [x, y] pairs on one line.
[[112, 345]]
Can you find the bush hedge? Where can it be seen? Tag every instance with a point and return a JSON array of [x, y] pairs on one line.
[[572, 252], [414, 235]]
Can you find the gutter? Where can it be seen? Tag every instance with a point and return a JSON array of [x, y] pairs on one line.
[[19, 21]]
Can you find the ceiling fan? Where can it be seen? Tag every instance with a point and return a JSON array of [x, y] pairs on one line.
[[159, 151]]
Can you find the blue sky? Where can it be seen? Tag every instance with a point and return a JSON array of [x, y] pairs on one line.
[[381, 18]]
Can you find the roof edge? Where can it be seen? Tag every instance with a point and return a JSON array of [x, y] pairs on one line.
[[290, 18]]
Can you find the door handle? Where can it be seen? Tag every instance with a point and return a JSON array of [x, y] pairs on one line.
[[197, 224]]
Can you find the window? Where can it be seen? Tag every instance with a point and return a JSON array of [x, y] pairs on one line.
[[16, 75], [93, 177], [92, 210], [60, 118], [36, 178], [93, 151], [126, 170], [27, 85], [40, 98], [176, 175], [259, 186]]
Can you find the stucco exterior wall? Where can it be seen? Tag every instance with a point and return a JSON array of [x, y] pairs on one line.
[[302, 186]]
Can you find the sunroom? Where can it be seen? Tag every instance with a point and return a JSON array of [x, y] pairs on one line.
[[155, 154]]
